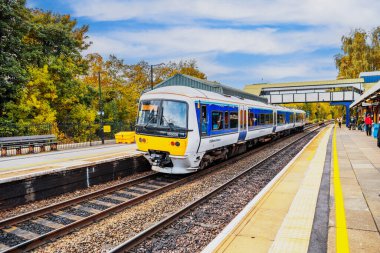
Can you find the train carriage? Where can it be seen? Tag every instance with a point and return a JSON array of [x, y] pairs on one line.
[[182, 129]]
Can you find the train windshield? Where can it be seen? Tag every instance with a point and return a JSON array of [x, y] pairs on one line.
[[168, 114]]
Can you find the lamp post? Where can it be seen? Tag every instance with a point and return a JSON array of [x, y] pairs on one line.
[[101, 109], [151, 73]]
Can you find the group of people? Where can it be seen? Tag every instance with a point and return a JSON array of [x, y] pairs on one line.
[[352, 125], [367, 124]]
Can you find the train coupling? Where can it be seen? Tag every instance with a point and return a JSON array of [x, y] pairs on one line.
[[160, 158]]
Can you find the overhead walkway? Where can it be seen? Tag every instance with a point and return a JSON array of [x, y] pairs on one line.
[[336, 92]]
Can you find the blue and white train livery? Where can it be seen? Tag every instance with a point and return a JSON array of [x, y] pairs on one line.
[[181, 129]]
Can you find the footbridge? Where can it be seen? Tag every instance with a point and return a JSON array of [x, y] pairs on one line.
[[335, 92]]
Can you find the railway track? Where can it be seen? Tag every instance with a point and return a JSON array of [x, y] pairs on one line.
[[30, 230], [133, 243]]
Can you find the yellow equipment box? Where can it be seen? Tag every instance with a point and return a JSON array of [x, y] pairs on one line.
[[125, 137]]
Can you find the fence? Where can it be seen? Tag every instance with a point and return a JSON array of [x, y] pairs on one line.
[[69, 134]]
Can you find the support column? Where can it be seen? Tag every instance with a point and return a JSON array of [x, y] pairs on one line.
[[347, 115], [347, 105]]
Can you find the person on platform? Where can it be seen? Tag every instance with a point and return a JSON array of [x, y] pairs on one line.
[[340, 122], [368, 124]]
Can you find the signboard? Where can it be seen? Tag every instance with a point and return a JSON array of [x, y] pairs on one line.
[[106, 128]]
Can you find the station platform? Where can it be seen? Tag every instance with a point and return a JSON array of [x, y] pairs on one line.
[[21, 167], [327, 199]]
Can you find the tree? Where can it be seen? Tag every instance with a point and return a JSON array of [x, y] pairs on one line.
[[358, 55], [14, 25], [123, 84], [188, 67]]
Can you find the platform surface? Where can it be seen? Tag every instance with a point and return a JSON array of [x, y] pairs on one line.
[[283, 217], [26, 165], [359, 163]]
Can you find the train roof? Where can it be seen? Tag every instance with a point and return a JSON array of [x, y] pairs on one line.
[[197, 94], [201, 84]]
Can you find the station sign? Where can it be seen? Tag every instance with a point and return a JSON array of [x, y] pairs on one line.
[[106, 128]]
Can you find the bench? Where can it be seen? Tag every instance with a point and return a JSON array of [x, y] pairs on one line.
[[19, 142]]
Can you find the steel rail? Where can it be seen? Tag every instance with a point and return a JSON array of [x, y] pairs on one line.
[[142, 236], [66, 203]]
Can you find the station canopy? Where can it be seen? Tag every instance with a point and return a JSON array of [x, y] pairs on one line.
[[370, 97], [197, 83]]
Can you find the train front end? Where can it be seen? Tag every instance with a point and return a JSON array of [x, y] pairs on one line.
[[163, 134]]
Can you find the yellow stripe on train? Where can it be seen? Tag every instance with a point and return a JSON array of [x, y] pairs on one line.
[[175, 146]]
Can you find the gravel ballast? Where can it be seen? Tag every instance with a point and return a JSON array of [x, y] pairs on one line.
[[108, 233]]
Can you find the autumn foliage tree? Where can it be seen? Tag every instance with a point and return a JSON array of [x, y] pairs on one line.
[[361, 53], [122, 84], [45, 79]]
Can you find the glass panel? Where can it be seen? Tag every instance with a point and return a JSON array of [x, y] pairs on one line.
[[148, 112], [250, 119], [174, 114], [262, 119], [225, 120], [233, 119], [217, 120], [204, 120]]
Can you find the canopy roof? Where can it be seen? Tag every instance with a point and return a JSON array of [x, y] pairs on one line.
[[371, 93]]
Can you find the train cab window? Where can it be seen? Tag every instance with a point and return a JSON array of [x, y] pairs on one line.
[[217, 120], [234, 119], [204, 120], [148, 112], [226, 121], [251, 119]]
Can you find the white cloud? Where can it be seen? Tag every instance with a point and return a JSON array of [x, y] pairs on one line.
[[202, 30], [177, 42], [346, 13]]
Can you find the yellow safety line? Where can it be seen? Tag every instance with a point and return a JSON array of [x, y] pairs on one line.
[[340, 217]]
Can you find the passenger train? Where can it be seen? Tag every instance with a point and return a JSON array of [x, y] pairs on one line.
[[182, 129]]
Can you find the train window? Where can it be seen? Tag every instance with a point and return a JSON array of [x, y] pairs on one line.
[[217, 120], [241, 118], [173, 114], [234, 119], [226, 121], [291, 118], [245, 119], [204, 120], [262, 119], [280, 119], [251, 119], [267, 119], [271, 118]]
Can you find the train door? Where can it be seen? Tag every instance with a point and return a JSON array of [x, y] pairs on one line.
[[204, 120], [274, 121], [242, 123]]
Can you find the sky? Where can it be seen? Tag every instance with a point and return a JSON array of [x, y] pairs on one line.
[[235, 42]]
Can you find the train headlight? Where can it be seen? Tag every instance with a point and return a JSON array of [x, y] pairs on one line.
[[177, 144]]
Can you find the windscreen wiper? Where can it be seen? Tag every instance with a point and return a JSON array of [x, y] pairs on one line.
[[154, 116], [169, 124]]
